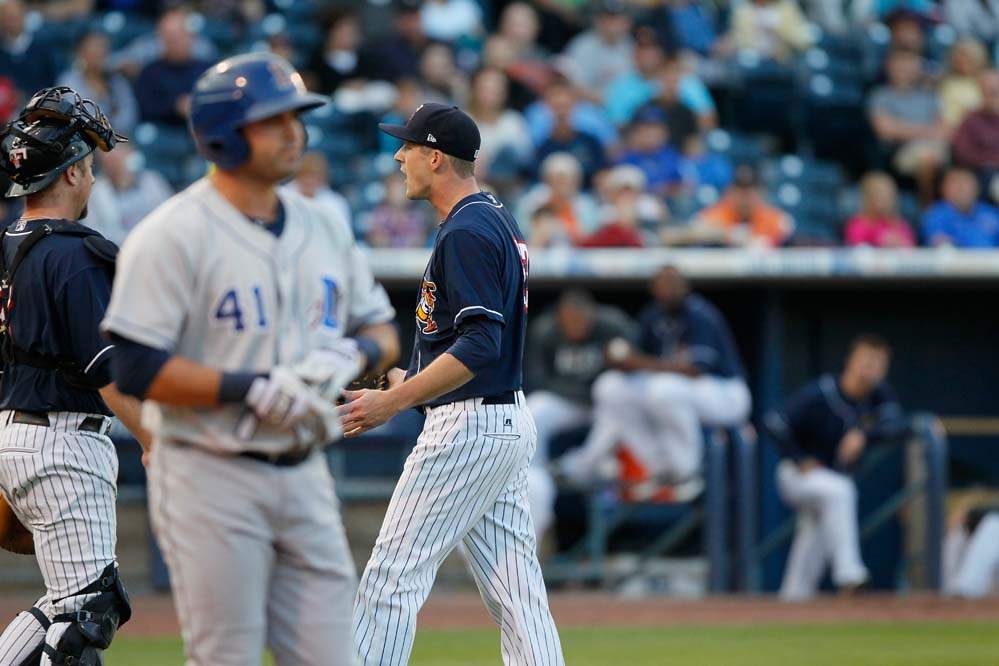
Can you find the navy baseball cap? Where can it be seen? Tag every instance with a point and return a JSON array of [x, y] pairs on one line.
[[441, 126]]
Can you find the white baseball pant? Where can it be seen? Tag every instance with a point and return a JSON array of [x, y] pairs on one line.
[[827, 531], [658, 416], [552, 414], [465, 482], [257, 556], [60, 482], [977, 567]]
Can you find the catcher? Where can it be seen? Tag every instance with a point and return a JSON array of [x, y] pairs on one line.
[[57, 464]]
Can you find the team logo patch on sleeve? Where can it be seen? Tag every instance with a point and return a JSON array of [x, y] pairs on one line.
[[425, 308]]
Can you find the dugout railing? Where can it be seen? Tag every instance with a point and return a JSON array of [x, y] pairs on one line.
[[589, 559], [928, 482]]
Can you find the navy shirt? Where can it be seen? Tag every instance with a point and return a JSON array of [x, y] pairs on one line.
[[60, 293], [815, 419], [696, 327], [477, 270]]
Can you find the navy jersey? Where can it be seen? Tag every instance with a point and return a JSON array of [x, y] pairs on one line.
[[478, 268], [697, 328], [815, 419], [60, 293]]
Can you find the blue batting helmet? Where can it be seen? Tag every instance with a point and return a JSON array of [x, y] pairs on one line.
[[238, 91]]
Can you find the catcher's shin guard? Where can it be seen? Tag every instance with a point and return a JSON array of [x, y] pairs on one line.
[[93, 626]]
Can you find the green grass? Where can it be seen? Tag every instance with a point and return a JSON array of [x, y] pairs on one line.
[[876, 644]]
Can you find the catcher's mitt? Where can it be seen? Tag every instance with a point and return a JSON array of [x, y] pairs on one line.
[[14, 536], [373, 381]]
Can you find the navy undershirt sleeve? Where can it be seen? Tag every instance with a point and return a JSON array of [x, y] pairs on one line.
[[478, 343], [134, 366]]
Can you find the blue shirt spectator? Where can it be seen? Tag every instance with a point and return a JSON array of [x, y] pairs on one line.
[[691, 26], [649, 149], [164, 85], [631, 91], [560, 102], [960, 219]]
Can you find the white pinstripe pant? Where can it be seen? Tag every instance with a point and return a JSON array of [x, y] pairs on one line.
[[465, 482], [60, 482]]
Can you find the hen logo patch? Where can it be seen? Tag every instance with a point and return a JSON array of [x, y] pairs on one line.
[[425, 308]]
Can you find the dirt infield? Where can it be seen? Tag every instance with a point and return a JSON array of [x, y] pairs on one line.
[[154, 615]]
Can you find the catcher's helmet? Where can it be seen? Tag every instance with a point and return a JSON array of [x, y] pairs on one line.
[[55, 129], [238, 91]]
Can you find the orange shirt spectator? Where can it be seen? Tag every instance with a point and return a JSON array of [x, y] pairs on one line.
[[744, 218]]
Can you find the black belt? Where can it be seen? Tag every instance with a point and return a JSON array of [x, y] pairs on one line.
[[278, 459], [89, 423], [288, 459], [508, 398]]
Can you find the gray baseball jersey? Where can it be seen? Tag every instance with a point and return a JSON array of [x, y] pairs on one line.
[[195, 278]]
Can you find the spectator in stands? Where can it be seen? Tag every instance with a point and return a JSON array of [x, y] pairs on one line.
[[93, 79], [742, 216], [772, 29], [560, 102], [164, 85], [547, 229], [635, 88], [959, 88], [648, 148], [621, 218], [506, 146], [397, 222], [124, 193], [961, 220], [821, 433], [699, 166], [340, 60], [907, 123], [560, 191], [566, 353], [687, 25], [601, 54], [878, 223], [684, 373], [449, 20], [976, 141], [650, 208], [583, 115], [29, 62], [313, 182], [397, 56], [149, 46], [680, 118], [410, 93], [442, 79]]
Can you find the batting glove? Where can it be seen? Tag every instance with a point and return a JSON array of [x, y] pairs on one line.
[[281, 399], [330, 370]]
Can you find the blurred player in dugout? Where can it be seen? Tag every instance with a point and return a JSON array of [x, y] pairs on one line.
[[566, 354], [821, 433], [684, 374]]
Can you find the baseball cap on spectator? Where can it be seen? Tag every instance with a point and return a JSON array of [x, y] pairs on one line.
[[444, 127], [649, 115]]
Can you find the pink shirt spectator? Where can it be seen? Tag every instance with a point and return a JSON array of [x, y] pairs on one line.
[[879, 232]]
